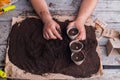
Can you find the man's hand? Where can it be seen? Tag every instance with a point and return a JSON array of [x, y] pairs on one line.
[[86, 9], [50, 30], [50, 26], [80, 26]]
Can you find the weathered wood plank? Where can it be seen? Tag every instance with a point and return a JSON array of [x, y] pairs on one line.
[[4, 32], [108, 16], [114, 25], [108, 10], [8, 16], [23, 5], [107, 75], [105, 9], [103, 5], [110, 75], [109, 60], [2, 54], [108, 5]]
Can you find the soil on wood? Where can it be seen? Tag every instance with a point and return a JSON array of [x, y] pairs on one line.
[[29, 51]]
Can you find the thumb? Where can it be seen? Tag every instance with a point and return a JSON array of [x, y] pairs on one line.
[[70, 25], [82, 34]]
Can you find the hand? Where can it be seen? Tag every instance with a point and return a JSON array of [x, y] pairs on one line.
[[50, 30], [80, 26]]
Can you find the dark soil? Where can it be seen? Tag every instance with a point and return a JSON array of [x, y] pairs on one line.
[[79, 56], [76, 46], [29, 51], [73, 32]]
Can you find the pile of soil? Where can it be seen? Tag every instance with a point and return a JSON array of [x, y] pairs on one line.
[[29, 51]]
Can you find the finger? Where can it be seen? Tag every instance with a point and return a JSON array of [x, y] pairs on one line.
[[82, 36], [58, 29], [79, 37], [55, 32], [44, 36], [58, 26], [47, 36], [51, 35]]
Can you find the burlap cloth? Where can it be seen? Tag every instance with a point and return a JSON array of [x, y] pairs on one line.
[[13, 71]]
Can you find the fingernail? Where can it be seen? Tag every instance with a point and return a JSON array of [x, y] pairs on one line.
[[83, 38], [61, 38]]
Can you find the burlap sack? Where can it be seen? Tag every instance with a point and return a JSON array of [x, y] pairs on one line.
[[13, 71]]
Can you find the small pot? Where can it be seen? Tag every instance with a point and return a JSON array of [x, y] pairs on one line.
[[72, 32], [75, 46], [78, 58]]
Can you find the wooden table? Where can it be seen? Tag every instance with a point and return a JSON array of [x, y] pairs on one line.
[[107, 10]]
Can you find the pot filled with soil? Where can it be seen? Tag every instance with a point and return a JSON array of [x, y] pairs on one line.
[[75, 46], [72, 32], [78, 57]]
